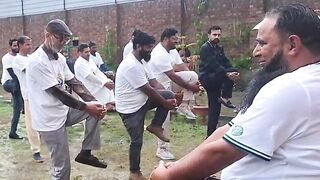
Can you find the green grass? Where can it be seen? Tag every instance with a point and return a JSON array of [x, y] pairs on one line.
[[16, 155]]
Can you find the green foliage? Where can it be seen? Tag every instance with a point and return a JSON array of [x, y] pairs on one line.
[[201, 36], [241, 36], [242, 63], [109, 49], [202, 6]]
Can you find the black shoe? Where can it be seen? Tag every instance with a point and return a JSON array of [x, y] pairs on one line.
[[90, 160], [37, 157], [14, 136], [227, 104]]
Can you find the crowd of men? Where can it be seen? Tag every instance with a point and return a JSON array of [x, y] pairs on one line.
[[272, 137]]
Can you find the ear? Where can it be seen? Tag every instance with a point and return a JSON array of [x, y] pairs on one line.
[[46, 34], [295, 45], [139, 47]]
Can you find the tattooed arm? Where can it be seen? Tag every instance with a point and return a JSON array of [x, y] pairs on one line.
[[66, 98], [80, 89]]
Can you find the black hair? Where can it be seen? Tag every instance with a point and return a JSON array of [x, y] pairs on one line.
[[297, 19], [22, 40], [135, 32], [213, 28], [167, 33], [82, 47], [187, 52], [12, 40], [91, 43], [142, 39]]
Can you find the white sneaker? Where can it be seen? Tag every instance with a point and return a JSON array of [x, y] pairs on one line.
[[164, 154], [185, 111]]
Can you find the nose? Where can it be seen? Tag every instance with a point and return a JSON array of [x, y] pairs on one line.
[[256, 51]]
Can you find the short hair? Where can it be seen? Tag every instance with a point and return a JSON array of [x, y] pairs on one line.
[[142, 39], [187, 52], [22, 39], [297, 19], [12, 40], [135, 32], [82, 47], [213, 28], [91, 43], [167, 33]]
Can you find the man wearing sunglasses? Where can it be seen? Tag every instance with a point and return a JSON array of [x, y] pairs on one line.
[[52, 108]]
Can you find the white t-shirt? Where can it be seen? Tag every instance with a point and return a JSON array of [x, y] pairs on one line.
[[131, 75], [19, 67], [161, 61], [96, 59], [48, 112], [7, 60], [127, 49], [175, 57], [280, 130], [83, 68]]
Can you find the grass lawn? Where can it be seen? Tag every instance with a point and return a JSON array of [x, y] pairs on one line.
[[16, 156]]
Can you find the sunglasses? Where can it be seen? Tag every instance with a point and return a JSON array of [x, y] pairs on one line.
[[62, 38]]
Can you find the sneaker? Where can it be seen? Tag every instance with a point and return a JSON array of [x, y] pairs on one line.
[[90, 160], [14, 136], [136, 176], [158, 131], [164, 154], [37, 157], [185, 111]]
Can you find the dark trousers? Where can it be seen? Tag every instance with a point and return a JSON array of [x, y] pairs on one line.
[[14, 88], [57, 142], [216, 89], [134, 123]]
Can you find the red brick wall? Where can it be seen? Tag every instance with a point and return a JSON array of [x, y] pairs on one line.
[[9, 27], [149, 16]]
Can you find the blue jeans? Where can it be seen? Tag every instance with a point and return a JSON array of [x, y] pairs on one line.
[[13, 87]]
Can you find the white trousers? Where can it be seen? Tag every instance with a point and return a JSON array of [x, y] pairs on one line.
[[190, 77]]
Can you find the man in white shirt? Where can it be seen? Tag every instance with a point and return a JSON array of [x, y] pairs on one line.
[[164, 58], [129, 46], [273, 136], [19, 67], [53, 109], [96, 57], [95, 81], [10, 84], [136, 92]]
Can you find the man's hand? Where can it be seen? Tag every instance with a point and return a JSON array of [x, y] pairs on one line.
[[109, 85], [170, 104], [96, 109], [159, 172], [234, 76], [195, 87]]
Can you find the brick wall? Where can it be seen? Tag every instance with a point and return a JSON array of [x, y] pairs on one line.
[[149, 16]]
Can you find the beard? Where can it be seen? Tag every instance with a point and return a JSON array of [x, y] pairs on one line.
[[15, 50], [215, 41], [275, 68], [51, 46], [145, 55]]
